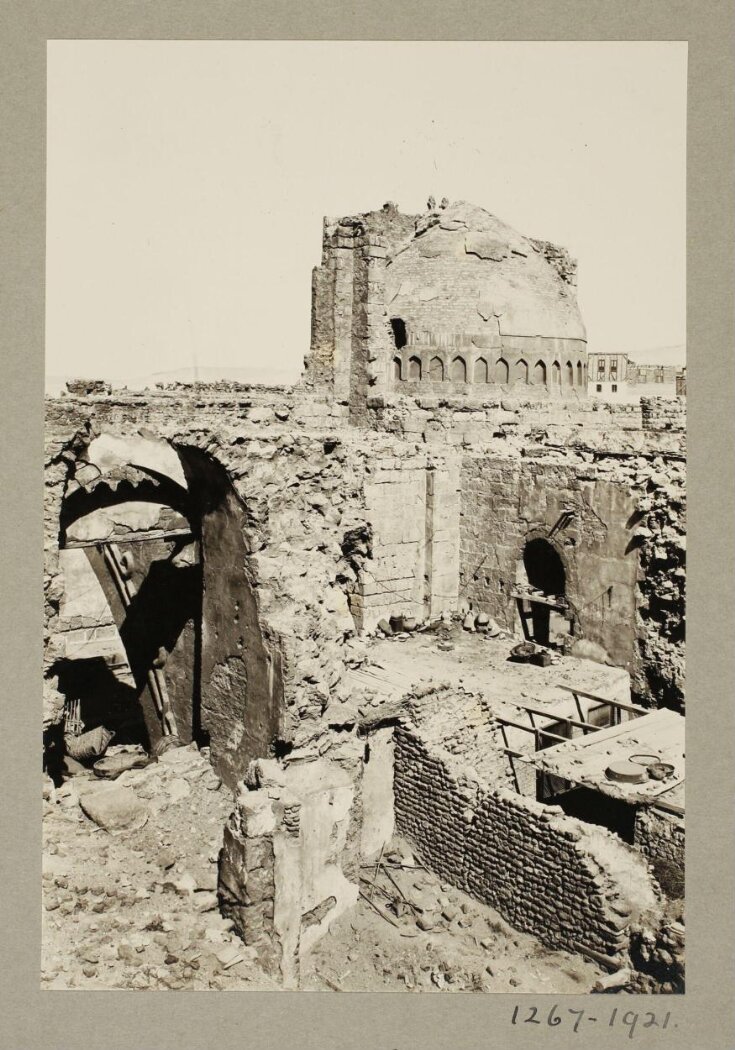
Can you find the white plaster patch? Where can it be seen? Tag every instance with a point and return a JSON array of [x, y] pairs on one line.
[[147, 453]]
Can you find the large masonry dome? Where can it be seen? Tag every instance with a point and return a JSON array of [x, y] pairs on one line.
[[453, 301]]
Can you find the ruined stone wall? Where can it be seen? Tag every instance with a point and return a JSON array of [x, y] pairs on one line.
[[290, 859], [349, 328], [663, 414], [624, 552], [660, 835], [508, 424], [570, 884], [205, 404], [292, 536], [506, 503], [660, 535]]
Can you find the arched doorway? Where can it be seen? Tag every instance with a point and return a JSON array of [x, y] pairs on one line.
[[542, 582], [162, 634]]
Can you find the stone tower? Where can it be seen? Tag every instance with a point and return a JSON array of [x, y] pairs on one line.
[[453, 302]]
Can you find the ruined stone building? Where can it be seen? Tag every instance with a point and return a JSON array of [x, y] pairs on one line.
[[230, 565]]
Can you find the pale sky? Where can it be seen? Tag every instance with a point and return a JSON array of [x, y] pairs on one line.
[[187, 182]]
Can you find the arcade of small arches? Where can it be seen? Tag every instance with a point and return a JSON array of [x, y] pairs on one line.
[[503, 369]]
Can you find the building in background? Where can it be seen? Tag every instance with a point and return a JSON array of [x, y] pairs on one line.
[[607, 376], [617, 377]]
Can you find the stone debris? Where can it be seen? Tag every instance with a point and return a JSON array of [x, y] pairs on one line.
[[113, 808]]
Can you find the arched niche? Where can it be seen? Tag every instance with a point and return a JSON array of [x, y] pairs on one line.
[[436, 370], [480, 371], [458, 371]]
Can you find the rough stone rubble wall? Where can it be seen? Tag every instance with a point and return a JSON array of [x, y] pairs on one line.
[[290, 859], [660, 611], [301, 494], [510, 424], [660, 835], [570, 884]]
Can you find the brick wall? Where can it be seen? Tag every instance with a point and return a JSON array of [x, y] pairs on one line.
[[566, 882]]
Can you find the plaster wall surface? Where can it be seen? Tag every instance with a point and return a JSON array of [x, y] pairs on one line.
[[378, 816]]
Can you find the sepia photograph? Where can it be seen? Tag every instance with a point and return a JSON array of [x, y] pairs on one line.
[[365, 517]]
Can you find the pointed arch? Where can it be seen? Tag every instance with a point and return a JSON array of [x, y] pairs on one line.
[[580, 374], [569, 374], [480, 372], [502, 371], [436, 370], [414, 368], [397, 368], [458, 371], [521, 371], [539, 373], [556, 374]]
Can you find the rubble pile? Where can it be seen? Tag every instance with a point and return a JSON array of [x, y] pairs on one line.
[[130, 879]]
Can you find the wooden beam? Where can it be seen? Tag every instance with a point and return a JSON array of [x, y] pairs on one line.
[[530, 729], [519, 755], [512, 767], [606, 700], [131, 537], [558, 718], [539, 601]]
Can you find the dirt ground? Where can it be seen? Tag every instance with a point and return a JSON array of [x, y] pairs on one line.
[[480, 662], [135, 907], [417, 933]]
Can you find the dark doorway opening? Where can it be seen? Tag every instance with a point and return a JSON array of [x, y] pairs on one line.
[[546, 620], [399, 332], [544, 568], [593, 807]]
